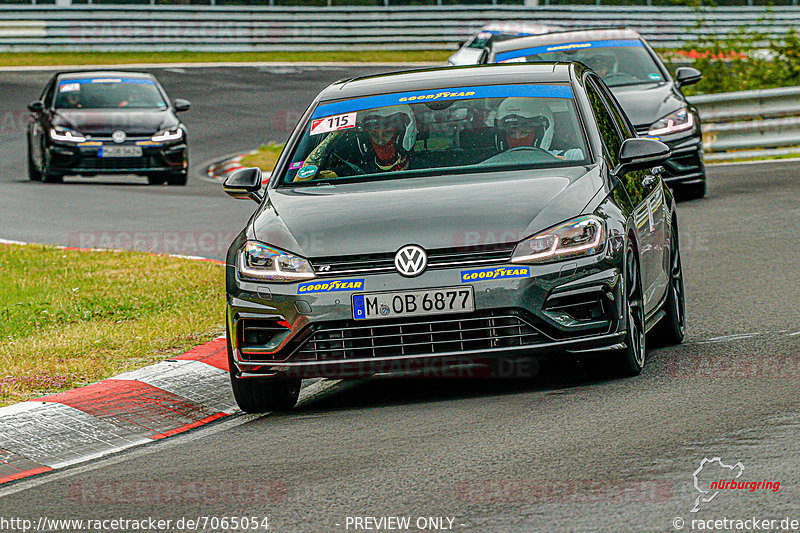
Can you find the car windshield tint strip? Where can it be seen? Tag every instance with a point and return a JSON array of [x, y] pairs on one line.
[[564, 47], [453, 93], [107, 80]]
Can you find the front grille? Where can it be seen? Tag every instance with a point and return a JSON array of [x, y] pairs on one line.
[[437, 259], [118, 163], [483, 330]]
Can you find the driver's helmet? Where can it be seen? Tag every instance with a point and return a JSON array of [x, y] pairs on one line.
[[603, 63], [383, 125], [524, 122], [72, 99]]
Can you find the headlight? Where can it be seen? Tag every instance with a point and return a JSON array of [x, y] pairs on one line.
[[167, 135], [261, 262], [680, 120], [579, 237], [66, 135]]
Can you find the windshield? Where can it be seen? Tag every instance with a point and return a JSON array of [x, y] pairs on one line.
[[617, 62], [109, 93], [463, 129]]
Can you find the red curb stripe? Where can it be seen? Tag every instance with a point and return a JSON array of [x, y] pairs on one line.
[[23, 474], [191, 426], [214, 353], [135, 407]]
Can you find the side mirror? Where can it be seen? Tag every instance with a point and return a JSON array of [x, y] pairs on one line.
[[36, 107], [460, 45], [244, 184], [641, 154], [687, 76], [181, 105]]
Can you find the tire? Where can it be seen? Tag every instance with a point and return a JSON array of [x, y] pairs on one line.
[[672, 327], [47, 175], [33, 174], [261, 395], [630, 360], [179, 178], [692, 192], [156, 179]]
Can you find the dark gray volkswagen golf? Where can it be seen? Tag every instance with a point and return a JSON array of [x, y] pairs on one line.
[[445, 216]]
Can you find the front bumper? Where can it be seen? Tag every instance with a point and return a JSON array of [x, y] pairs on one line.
[[83, 158], [685, 166], [569, 307]]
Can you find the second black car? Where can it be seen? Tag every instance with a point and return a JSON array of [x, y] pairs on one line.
[[89, 123]]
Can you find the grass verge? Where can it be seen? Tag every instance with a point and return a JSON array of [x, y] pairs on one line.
[[68, 318], [25, 59], [263, 158]]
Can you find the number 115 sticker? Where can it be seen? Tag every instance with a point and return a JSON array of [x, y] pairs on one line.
[[334, 123]]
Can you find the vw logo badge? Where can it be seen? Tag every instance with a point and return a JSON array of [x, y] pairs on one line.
[[118, 136], [411, 260]]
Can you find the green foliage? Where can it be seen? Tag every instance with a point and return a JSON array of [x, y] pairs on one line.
[[747, 58]]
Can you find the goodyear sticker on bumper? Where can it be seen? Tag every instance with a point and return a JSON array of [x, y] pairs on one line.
[[495, 273], [331, 286]]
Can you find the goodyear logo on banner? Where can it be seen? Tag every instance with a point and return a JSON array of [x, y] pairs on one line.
[[331, 286], [495, 273], [436, 96]]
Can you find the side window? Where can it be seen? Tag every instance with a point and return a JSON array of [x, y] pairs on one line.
[[606, 122], [622, 120], [47, 97]]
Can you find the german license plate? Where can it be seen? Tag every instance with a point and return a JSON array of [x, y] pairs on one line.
[[413, 303], [120, 151]]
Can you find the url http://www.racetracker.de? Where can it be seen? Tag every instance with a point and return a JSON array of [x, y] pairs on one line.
[[112, 525], [737, 524]]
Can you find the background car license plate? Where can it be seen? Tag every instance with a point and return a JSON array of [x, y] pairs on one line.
[[413, 303], [120, 151]]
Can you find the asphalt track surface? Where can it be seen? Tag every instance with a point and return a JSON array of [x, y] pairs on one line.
[[558, 452]]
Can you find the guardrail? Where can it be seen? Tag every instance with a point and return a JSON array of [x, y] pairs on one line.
[[750, 123], [287, 28]]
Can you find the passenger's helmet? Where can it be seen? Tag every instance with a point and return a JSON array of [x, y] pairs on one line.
[[524, 122]]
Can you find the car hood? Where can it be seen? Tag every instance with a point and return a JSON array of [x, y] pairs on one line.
[[644, 104], [433, 212], [105, 121]]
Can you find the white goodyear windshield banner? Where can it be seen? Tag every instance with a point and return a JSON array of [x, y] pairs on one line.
[[331, 286], [480, 274]]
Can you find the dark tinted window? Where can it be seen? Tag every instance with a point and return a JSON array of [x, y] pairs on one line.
[[606, 122], [622, 120], [47, 96], [630, 64], [109, 93]]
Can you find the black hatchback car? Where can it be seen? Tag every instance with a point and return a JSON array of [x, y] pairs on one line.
[[90, 123], [440, 216], [650, 96]]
